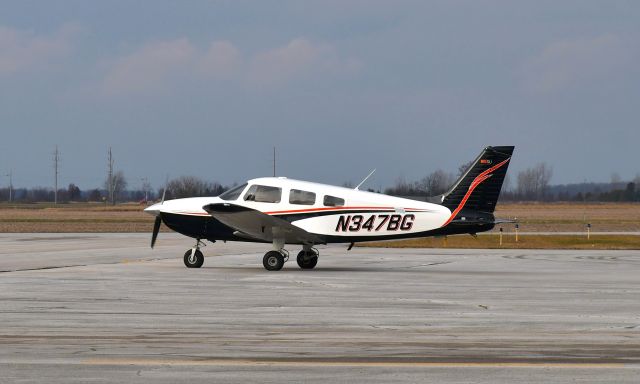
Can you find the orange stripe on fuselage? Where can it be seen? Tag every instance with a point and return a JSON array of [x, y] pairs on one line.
[[341, 208]]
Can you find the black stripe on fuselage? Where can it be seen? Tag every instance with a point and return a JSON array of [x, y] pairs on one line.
[[450, 229], [207, 227], [199, 227]]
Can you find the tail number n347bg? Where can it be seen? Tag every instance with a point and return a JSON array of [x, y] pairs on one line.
[[355, 223]]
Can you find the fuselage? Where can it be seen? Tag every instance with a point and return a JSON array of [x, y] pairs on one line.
[[335, 214]]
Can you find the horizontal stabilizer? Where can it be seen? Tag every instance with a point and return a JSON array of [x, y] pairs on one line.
[[481, 221], [505, 221]]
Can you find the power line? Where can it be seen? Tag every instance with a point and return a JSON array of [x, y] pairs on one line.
[[110, 185], [56, 159], [10, 176]]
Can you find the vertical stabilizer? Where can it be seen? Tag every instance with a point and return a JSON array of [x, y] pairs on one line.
[[479, 186]]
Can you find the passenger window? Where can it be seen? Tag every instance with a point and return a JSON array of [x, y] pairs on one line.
[[297, 196], [332, 201], [263, 194]]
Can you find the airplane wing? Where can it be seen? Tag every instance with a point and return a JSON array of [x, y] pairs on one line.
[[255, 225]]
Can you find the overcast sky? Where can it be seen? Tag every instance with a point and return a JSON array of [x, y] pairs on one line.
[[207, 88]]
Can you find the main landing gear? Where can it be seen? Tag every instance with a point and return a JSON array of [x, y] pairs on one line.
[[274, 260], [308, 258], [194, 258]]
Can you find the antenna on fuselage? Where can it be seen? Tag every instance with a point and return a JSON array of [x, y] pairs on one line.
[[365, 179]]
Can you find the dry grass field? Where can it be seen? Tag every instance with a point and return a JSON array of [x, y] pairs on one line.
[[533, 217], [528, 241], [74, 218], [571, 217]]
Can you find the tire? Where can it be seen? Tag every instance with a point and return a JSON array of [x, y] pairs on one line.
[[194, 261], [273, 261], [309, 262]]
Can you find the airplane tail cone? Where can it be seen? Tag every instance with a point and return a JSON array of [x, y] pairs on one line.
[[156, 229]]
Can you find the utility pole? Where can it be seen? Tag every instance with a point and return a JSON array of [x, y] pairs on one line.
[[584, 200], [274, 161], [10, 175], [145, 187], [56, 159], [110, 177]]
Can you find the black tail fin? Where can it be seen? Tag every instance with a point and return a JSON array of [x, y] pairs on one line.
[[479, 187]]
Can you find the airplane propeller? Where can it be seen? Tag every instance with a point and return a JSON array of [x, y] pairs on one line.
[[158, 222], [156, 229]]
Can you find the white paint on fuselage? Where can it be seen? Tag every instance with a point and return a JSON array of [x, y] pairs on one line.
[[426, 216]]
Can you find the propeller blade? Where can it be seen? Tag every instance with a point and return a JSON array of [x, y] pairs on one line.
[[156, 229], [164, 191]]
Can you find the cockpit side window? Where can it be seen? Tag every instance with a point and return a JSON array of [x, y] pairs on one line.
[[332, 201], [263, 194], [233, 193], [297, 196]]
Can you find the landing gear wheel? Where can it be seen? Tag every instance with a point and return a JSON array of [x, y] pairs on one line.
[[193, 259], [307, 260], [273, 261]]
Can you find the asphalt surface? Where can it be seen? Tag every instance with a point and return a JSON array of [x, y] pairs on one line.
[[105, 308]]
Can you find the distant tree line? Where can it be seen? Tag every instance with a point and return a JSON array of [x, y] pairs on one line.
[[184, 186], [191, 186], [433, 184], [614, 191], [532, 184], [69, 195]]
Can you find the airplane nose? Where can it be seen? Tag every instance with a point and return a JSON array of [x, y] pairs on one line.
[[154, 209]]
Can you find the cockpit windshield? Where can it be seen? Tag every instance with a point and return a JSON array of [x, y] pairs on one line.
[[263, 194], [233, 193]]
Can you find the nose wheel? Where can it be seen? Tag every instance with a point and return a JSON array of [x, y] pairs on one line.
[[194, 258]]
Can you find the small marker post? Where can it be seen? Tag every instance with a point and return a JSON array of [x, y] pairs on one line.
[[501, 236], [588, 231], [517, 227]]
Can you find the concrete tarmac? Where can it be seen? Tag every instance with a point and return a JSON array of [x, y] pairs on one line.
[[106, 308]]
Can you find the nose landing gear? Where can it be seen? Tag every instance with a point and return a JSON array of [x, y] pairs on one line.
[[194, 258]]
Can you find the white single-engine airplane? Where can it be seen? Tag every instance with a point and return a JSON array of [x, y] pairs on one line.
[[283, 211]]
